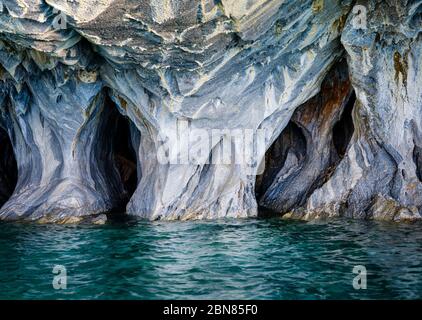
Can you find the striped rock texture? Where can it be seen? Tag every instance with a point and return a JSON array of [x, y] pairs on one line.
[[333, 88]]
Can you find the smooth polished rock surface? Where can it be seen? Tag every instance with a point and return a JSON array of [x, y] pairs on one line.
[[222, 74], [182, 70], [310, 147], [380, 176], [57, 122]]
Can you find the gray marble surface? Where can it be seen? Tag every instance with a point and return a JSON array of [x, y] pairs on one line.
[[213, 65]]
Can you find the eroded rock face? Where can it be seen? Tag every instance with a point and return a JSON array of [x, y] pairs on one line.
[[310, 147], [179, 69], [61, 134], [222, 71], [380, 175]]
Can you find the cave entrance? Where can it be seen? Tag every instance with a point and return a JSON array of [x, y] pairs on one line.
[[291, 140], [118, 135], [344, 128], [8, 168], [124, 155], [417, 159], [309, 149]]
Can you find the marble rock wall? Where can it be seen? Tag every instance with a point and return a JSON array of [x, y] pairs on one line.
[[329, 91]]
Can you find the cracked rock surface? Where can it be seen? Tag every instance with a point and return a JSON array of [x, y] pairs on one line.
[[176, 68]]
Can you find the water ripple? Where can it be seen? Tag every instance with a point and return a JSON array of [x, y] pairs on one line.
[[232, 259]]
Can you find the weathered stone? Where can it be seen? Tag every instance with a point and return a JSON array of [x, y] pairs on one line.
[[210, 65], [310, 147], [383, 158], [61, 134], [236, 71]]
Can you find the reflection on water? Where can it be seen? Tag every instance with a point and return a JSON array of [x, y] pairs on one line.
[[233, 259]]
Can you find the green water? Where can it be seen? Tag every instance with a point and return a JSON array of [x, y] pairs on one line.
[[245, 259]]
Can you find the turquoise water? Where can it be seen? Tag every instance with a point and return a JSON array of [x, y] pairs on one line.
[[245, 259]]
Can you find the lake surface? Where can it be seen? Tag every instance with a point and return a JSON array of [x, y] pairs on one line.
[[231, 259]]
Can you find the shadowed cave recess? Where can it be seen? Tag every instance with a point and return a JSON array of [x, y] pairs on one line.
[[8, 168], [86, 105]]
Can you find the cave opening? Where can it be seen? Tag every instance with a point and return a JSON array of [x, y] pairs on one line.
[[417, 159], [123, 155], [291, 140], [344, 128], [8, 168], [290, 175]]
